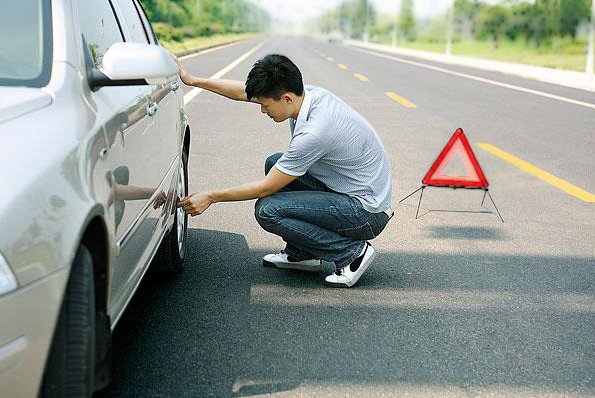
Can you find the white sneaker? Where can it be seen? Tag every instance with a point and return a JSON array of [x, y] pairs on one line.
[[346, 276], [282, 260]]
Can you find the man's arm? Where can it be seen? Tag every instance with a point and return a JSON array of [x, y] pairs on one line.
[[234, 89], [197, 203]]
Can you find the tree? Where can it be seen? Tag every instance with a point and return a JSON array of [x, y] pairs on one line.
[[406, 23], [206, 17], [465, 12], [572, 13], [492, 22], [519, 21]]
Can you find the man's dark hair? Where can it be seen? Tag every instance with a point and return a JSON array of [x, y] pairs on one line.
[[272, 76]]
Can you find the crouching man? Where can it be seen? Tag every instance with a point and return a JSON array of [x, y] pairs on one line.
[[329, 193]]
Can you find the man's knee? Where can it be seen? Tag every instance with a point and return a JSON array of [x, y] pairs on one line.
[[270, 161], [265, 211], [260, 210]]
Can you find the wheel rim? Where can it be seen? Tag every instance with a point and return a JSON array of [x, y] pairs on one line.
[[181, 214]]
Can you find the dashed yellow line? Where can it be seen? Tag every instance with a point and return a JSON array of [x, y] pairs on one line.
[[330, 59], [400, 100], [361, 77], [537, 172], [341, 66]]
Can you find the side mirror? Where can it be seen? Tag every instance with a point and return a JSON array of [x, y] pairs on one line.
[[133, 64]]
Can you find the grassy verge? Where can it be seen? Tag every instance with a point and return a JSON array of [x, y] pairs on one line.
[[561, 54], [194, 42]]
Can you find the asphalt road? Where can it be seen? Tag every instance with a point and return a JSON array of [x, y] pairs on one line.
[[457, 303]]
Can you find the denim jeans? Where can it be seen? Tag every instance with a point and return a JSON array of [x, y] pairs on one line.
[[317, 222]]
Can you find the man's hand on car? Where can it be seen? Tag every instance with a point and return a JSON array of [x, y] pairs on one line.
[[196, 203], [184, 76]]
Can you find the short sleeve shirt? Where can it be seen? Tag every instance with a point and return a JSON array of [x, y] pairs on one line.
[[339, 147]]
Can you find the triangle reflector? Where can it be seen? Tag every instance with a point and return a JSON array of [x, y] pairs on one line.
[[456, 150]]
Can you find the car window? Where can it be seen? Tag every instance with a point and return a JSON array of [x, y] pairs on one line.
[[99, 26], [133, 22], [25, 43], [148, 27]]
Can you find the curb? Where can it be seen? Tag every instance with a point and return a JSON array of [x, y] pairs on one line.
[[572, 79]]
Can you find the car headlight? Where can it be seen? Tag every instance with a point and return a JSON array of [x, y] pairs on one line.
[[8, 282]]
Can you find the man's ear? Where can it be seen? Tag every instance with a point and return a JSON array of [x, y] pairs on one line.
[[287, 98]]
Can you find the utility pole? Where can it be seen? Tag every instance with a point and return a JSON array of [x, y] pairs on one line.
[[449, 28], [367, 23], [395, 24], [590, 54], [351, 18]]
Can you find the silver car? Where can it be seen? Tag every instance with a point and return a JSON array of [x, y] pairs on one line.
[[94, 146]]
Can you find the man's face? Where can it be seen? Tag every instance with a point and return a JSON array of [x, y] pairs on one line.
[[279, 110]]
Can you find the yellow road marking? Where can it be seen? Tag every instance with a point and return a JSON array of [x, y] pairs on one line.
[[537, 172], [322, 55], [400, 100], [341, 66], [330, 59], [361, 77]]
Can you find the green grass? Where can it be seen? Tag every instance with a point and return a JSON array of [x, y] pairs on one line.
[[187, 44], [560, 54], [433, 47]]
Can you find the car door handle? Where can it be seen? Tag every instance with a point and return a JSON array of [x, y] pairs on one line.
[[152, 109], [175, 85]]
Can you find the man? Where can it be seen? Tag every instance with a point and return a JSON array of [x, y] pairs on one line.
[[329, 193]]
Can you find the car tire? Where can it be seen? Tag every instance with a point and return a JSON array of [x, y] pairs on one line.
[[171, 254], [71, 362]]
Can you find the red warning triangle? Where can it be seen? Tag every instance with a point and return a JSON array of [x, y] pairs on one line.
[[457, 148]]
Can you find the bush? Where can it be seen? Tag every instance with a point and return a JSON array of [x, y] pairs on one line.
[[166, 32], [187, 31], [163, 30]]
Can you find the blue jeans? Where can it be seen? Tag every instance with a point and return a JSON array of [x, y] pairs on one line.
[[317, 222]]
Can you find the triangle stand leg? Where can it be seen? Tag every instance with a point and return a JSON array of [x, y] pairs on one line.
[[411, 194], [486, 192], [420, 196], [419, 203]]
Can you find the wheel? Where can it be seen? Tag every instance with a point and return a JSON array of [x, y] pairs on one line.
[[171, 254], [71, 362]]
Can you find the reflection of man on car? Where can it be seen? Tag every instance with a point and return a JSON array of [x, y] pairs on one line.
[[123, 192]]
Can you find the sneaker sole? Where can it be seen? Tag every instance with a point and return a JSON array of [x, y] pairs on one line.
[[299, 268], [269, 264], [331, 284]]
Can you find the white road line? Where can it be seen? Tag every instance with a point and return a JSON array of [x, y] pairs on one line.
[[480, 79], [185, 57], [194, 92]]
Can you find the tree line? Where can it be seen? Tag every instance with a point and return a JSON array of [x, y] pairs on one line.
[[538, 21], [176, 19]]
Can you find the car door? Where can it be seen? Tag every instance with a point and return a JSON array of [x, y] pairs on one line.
[[128, 114], [169, 100]]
